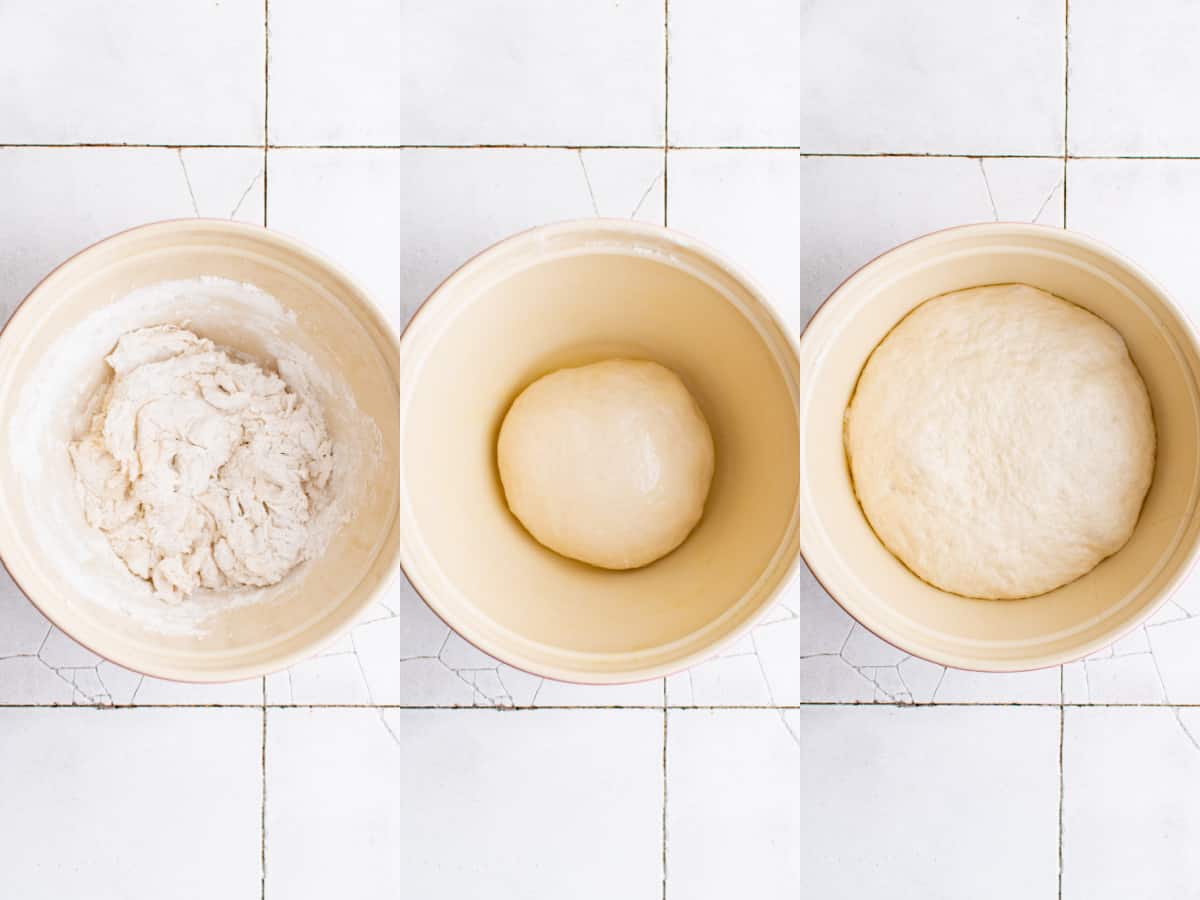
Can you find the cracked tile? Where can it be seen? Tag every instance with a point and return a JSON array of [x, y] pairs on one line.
[[458, 202], [1131, 803], [900, 78], [44, 221], [1132, 678], [842, 662], [908, 198], [923, 797], [734, 826], [437, 208], [224, 184], [39, 664], [401, 654], [763, 668], [1155, 663], [573, 72], [139, 72], [486, 785], [119, 802]]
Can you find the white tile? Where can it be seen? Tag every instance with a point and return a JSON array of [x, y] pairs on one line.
[[349, 205], [748, 205], [438, 803], [1143, 208], [123, 803], [1143, 105], [735, 804], [946, 802], [736, 72], [58, 201], [334, 806], [573, 72], [855, 209], [458, 202], [933, 77], [139, 72], [1131, 803]]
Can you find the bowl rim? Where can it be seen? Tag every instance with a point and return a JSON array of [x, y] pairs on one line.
[[625, 228], [185, 675], [1190, 332]]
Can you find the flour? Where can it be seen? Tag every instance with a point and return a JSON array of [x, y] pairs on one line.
[[67, 390], [203, 470]]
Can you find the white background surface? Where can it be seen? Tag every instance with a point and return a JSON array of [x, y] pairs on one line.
[[811, 760]]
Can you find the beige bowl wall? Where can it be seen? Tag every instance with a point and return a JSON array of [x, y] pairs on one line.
[[333, 322], [844, 553], [566, 295]]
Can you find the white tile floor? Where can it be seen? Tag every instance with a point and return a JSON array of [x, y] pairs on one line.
[[809, 760]]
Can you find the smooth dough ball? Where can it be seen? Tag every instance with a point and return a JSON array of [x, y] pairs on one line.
[[608, 463], [1001, 441]]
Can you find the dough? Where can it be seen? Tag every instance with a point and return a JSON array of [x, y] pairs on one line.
[[202, 469], [608, 463], [1001, 441]]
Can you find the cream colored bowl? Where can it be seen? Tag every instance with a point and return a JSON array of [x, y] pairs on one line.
[[66, 569], [1076, 619], [565, 295]]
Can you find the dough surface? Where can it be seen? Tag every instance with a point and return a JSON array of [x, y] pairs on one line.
[[1001, 441], [608, 463], [201, 468]]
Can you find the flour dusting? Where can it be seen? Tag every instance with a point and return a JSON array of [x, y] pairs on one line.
[[187, 453]]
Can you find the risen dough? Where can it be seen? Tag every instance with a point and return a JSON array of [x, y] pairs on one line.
[[202, 469], [1001, 441], [608, 463]]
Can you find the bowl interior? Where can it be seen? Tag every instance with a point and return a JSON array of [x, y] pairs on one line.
[[563, 296], [858, 570], [70, 322]]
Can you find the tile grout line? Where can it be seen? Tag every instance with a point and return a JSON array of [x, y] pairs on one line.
[[666, 717], [1062, 728], [262, 825], [1066, 150], [266, 144], [800, 151], [666, 145], [614, 708], [665, 220]]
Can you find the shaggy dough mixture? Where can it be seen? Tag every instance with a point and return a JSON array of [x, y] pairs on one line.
[[202, 469], [1001, 441], [608, 463]]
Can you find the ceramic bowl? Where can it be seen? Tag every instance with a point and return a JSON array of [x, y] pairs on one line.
[[566, 295], [1071, 621], [67, 569]]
